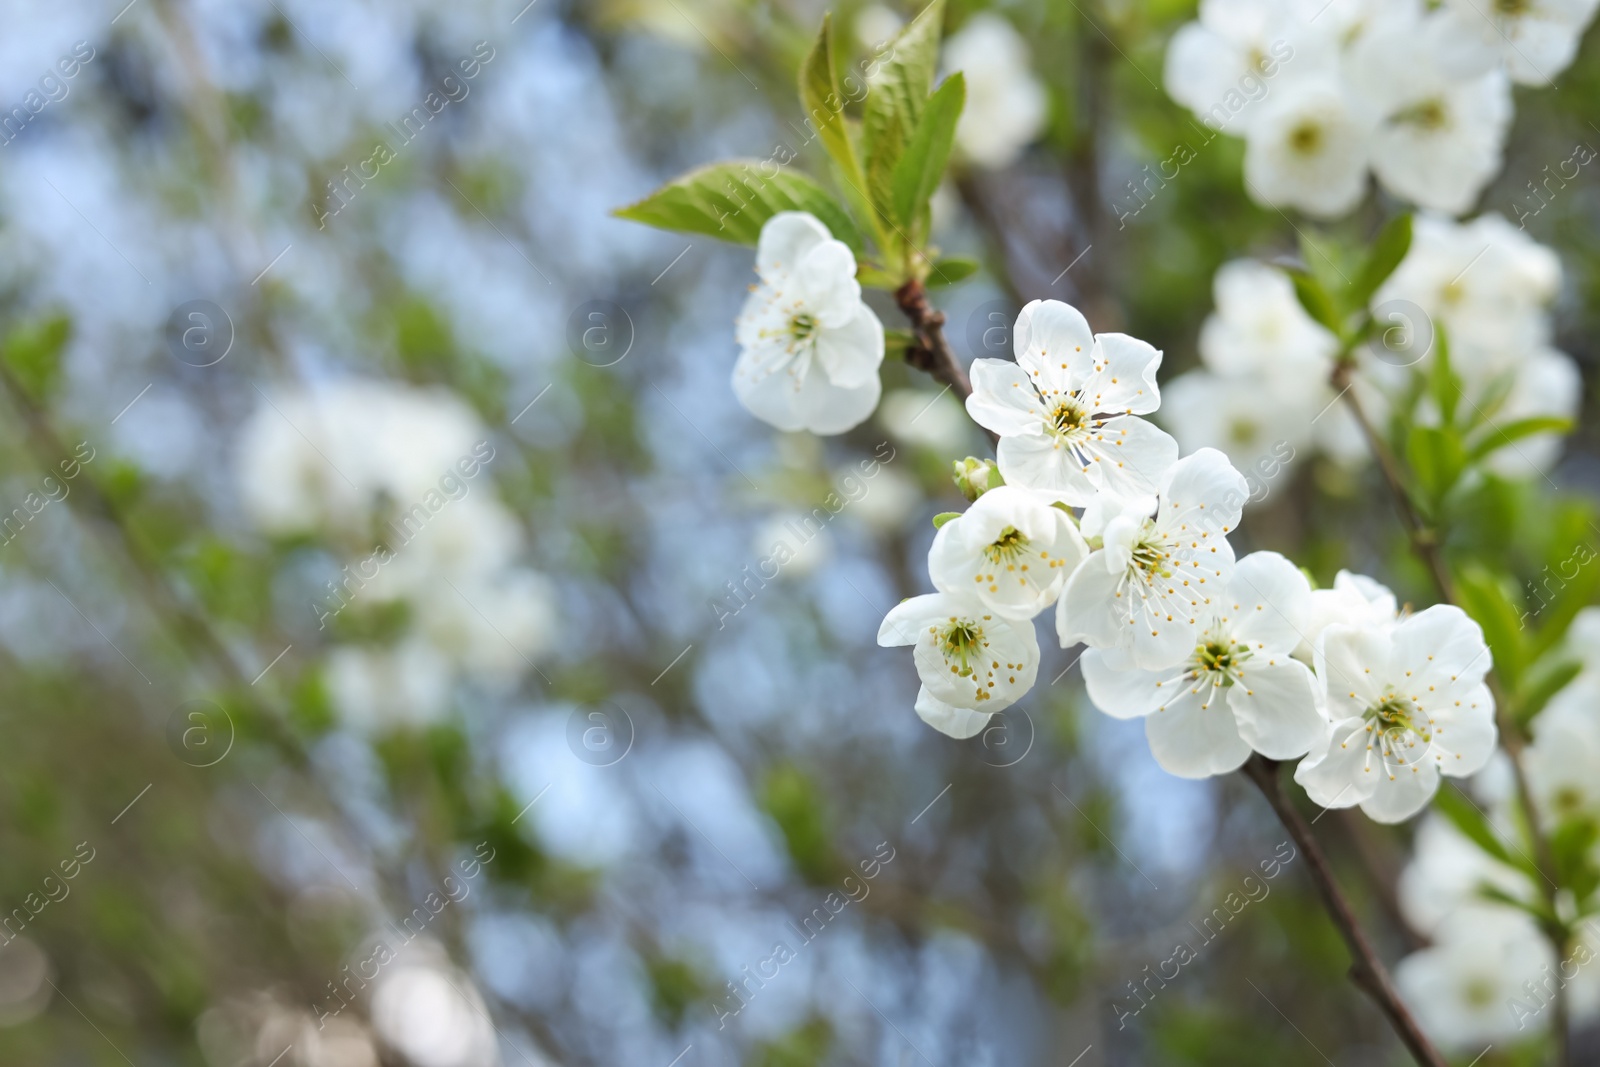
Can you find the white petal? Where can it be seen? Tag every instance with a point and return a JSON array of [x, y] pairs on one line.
[[1122, 690], [785, 240], [1268, 602], [1088, 611], [908, 619], [1122, 375], [852, 352], [1194, 735], [960, 723], [826, 282], [1335, 773], [1400, 790], [1205, 491], [1276, 708], [1132, 456], [1352, 668], [1464, 737], [1441, 645], [1050, 332], [1041, 463], [1003, 399]]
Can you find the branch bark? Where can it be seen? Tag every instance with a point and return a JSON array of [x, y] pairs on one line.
[[1366, 969], [932, 352]]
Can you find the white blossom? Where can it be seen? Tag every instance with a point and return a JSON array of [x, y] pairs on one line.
[[1308, 149], [1464, 988], [1406, 703], [1239, 689], [972, 661], [1067, 411], [1352, 600], [1534, 39], [1163, 562], [1006, 106], [810, 348], [1010, 549]]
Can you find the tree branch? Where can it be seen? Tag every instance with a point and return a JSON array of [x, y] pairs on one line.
[[1366, 969], [932, 352]]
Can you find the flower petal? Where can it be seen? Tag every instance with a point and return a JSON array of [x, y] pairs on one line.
[[1130, 455], [1335, 774], [1194, 735], [1274, 703], [1352, 668], [1003, 399], [1121, 377], [1401, 790], [1268, 601], [908, 619], [1122, 690], [785, 239], [1464, 736], [960, 723], [852, 351]]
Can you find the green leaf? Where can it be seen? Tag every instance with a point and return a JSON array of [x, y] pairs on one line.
[[1315, 299], [1494, 438], [33, 350], [1492, 399], [1484, 597], [1444, 384], [922, 163], [944, 517], [824, 102], [1571, 845], [1471, 821], [1437, 458], [1543, 681], [896, 97], [734, 199], [1390, 247], [950, 270]]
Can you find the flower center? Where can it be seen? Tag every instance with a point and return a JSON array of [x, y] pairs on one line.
[[1429, 115], [1068, 418], [1219, 654], [1398, 714], [961, 642], [1568, 799], [1512, 8], [1306, 138], [1007, 547], [802, 326], [1479, 993], [1151, 558]]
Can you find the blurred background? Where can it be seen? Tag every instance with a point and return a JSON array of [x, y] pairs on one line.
[[388, 678]]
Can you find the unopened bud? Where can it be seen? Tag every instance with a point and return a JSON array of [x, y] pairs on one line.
[[974, 476]]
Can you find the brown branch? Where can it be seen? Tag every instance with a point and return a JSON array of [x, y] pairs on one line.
[[932, 352], [1366, 969]]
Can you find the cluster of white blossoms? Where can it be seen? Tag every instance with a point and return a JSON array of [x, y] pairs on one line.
[[391, 480], [1221, 657], [1262, 393], [1324, 92]]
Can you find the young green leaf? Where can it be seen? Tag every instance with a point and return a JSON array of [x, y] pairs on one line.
[[1494, 438], [944, 517], [922, 163], [1542, 681], [1483, 596], [824, 101], [1315, 299], [1470, 820], [896, 97], [1391, 246], [951, 270], [733, 200], [1444, 384], [1437, 458]]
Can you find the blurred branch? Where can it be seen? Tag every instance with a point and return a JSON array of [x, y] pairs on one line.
[[1366, 969]]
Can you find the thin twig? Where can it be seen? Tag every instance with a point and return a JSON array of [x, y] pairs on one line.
[[932, 351], [1366, 969]]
